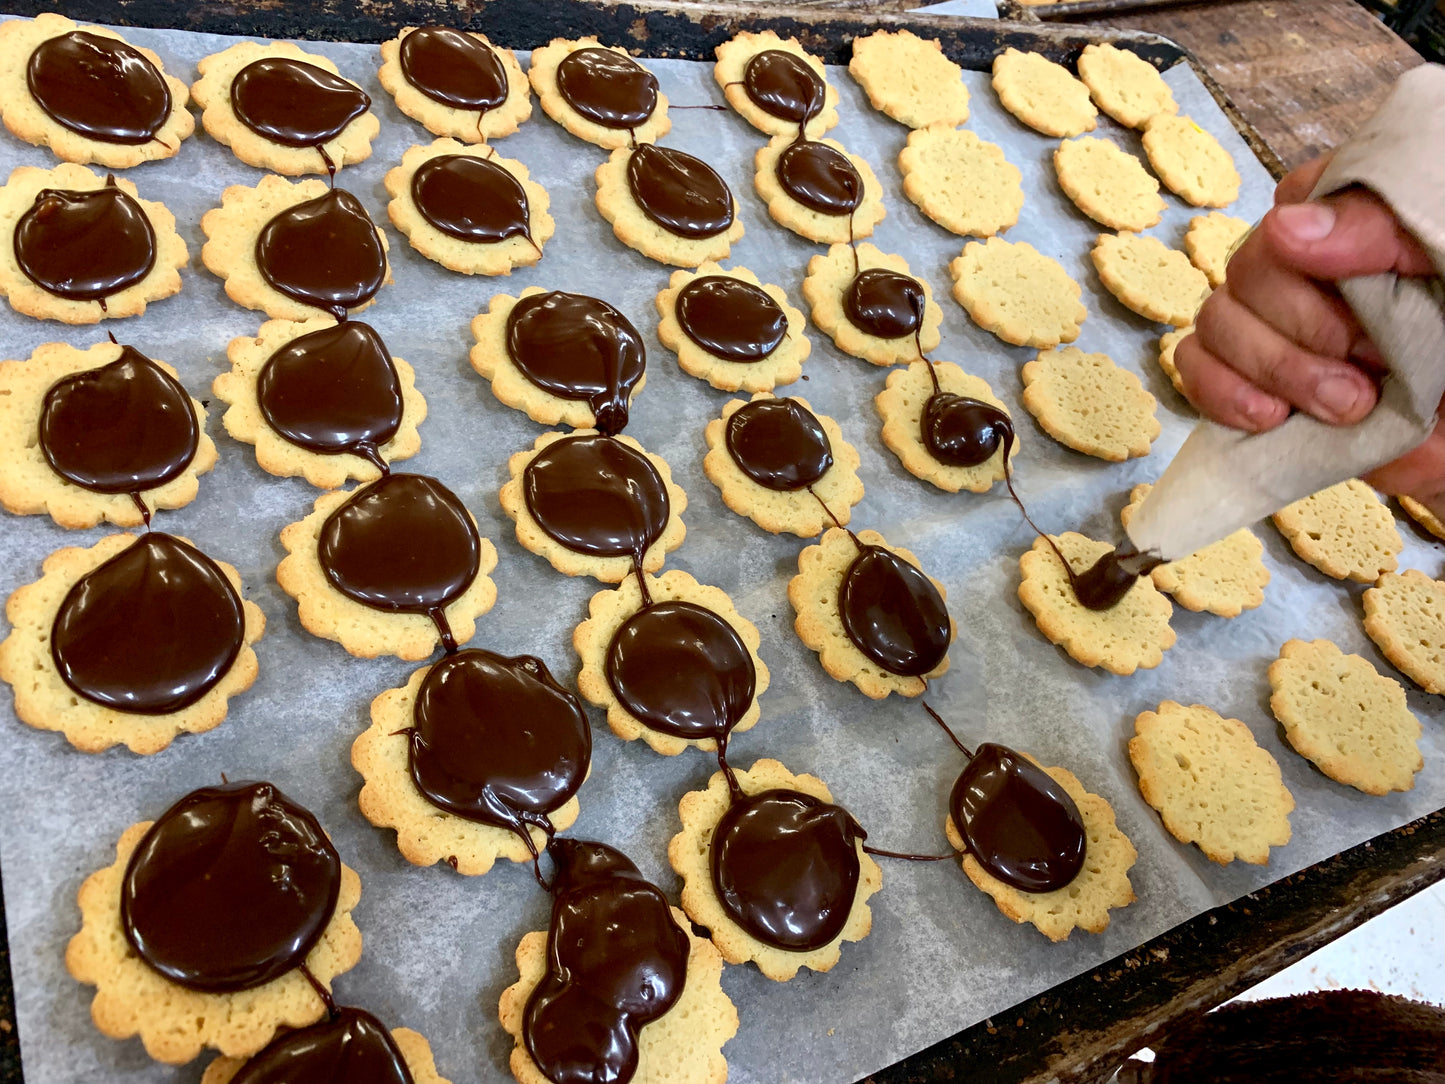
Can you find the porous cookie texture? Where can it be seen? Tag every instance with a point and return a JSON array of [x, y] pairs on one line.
[[1190, 161], [1108, 184], [732, 62], [28, 484], [1423, 516], [363, 630], [19, 38], [819, 624], [830, 275], [1131, 635], [1210, 240], [1042, 94], [173, 1022], [1224, 578], [468, 125], [415, 1051], [1405, 616], [909, 78], [244, 421], [569, 562], [1149, 277], [1088, 403], [783, 366], [900, 405], [425, 833], [453, 253], [1084, 903], [690, 853], [797, 511], [610, 609], [17, 196], [1346, 717], [43, 699], [1345, 531], [212, 92], [232, 230], [635, 230], [804, 221], [1018, 293], [1168, 343], [1211, 783], [543, 74], [1124, 85], [963, 183]]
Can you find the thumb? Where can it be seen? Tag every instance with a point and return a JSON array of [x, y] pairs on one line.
[[1353, 233]]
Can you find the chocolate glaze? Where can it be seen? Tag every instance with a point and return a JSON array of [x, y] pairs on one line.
[[349, 1047], [682, 194], [820, 178], [893, 613], [151, 630], [85, 246], [731, 319], [100, 87], [596, 495], [471, 199], [607, 88], [964, 432], [295, 103], [784, 85], [323, 252], [230, 888], [884, 303], [779, 444], [453, 68], [616, 961], [577, 347]]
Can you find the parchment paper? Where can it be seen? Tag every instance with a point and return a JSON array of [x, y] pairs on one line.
[[439, 946]]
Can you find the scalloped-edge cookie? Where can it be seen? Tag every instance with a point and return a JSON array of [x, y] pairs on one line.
[[1108, 184], [806, 222], [1405, 616], [1042, 94], [1190, 161], [1345, 531], [1018, 293], [1210, 240], [961, 182], [1087, 403], [415, 1050], [828, 278], [633, 227], [1422, 515], [543, 74], [909, 79], [1168, 343], [733, 56], [1125, 85], [1149, 277], [900, 405], [440, 119]]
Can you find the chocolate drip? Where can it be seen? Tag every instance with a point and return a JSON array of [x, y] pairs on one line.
[[884, 303], [1104, 584], [324, 252], [784, 85], [230, 888], [352, 1046], [731, 319], [85, 246], [607, 88], [964, 432], [596, 495], [779, 444], [151, 630], [616, 961], [100, 87], [471, 199], [682, 194], [295, 103], [820, 178], [893, 613], [453, 68]]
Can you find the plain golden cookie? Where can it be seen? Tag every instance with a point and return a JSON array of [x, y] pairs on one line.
[[1109, 185], [900, 405], [1345, 531], [806, 222], [1125, 85], [1168, 343], [1149, 277], [963, 183], [1042, 94], [633, 227], [733, 56], [1087, 403], [1422, 515], [1210, 240], [909, 78], [415, 1050], [1018, 293], [1190, 161], [440, 119], [1405, 616], [830, 275], [543, 74]]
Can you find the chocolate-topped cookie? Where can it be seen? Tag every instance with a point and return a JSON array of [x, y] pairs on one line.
[[670, 206], [350, 1044], [456, 83], [817, 189], [599, 93], [775, 84], [872, 304], [947, 426]]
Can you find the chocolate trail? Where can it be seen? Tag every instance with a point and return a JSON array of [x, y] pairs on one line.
[[607, 88], [85, 246], [98, 87], [731, 319]]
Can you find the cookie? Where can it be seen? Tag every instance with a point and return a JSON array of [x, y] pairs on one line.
[[1087, 403], [1109, 185], [963, 183], [149, 105], [1346, 717], [797, 511], [1124, 85], [610, 609], [1042, 94], [1131, 635], [30, 485], [1018, 293], [1405, 616], [814, 593], [690, 853], [1190, 161], [47, 267], [909, 79], [1225, 578], [648, 107], [826, 286], [1209, 242], [1422, 515], [900, 405], [1345, 531], [1149, 277], [809, 222], [733, 57], [483, 214], [1211, 783], [1168, 343], [450, 80], [44, 700], [328, 139], [744, 332], [692, 198], [415, 1051]]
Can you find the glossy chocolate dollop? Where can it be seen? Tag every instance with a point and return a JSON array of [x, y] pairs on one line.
[[1017, 821], [820, 178], [779, 444], [784, 85], [151, 630], [85, 246], [596, 495], [731, 319], [893, 613], [471, 199], [121, 428], [351, 1047], [1103, 585], [607, 88], [682, 194], [323, 252], [964, 432], [616, 961], [453, 68], [785, 867], [100, 87], [295, 103], [884, 303], [230, 888]]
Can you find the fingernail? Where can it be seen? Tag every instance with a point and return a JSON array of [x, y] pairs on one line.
[[1257, 409], [1337, 395], [1306, 221]]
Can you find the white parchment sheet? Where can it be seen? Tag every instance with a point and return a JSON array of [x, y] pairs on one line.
[[439, 946]]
